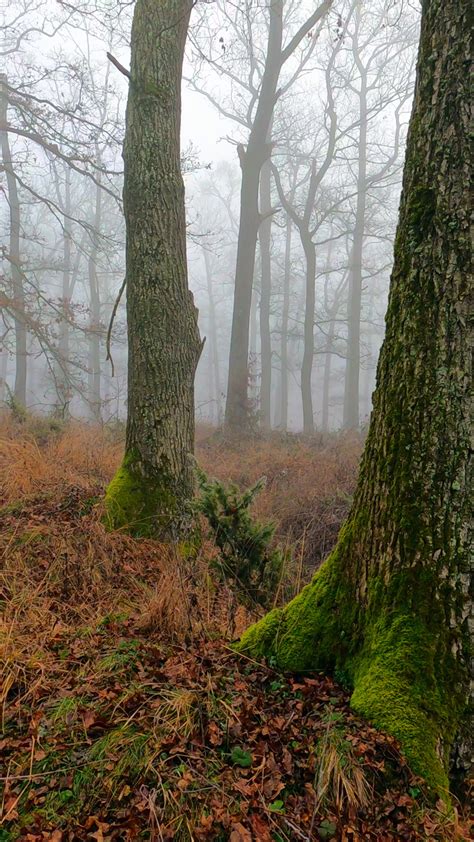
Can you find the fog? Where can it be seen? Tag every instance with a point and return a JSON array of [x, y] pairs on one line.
[[329, 190]]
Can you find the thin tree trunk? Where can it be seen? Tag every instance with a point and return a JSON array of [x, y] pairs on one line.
[[251, 162], [351, 414], [391, 607], [95, 326], [308, 350], [214, 350], [63, 379], [284, 330], [327, 373], [265, 231], [16, 276], [151, 491], [3, 372]]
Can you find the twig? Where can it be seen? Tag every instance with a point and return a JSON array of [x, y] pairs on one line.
[[111, 323], [119, 66], [50, 772]]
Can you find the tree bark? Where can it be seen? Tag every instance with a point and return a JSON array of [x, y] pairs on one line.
[[389, 609], [150, 493], [18, 290]]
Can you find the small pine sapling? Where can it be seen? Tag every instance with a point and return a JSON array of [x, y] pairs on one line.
[[246, 556]]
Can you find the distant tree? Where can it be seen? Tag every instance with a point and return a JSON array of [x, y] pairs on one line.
[[256, 79], [149, 493], [17, 290], [389, 610]]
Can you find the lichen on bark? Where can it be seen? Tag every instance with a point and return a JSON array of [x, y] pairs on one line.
[[389, 610]]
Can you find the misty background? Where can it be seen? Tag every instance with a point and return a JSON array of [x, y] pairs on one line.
[[329, 195]]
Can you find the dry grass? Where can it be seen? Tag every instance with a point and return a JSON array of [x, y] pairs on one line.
[[59, 566], [308, 490], [340, 777]]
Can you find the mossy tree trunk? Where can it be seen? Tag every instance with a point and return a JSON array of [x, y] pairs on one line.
[[390, 607], [150, 492]]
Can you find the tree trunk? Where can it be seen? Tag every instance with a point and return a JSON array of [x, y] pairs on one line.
[[214, 350], [150, 493], [327, 372], [251, 161], [3, 371], [284, 330], [308, 351], [18, 291], [265, 231], [95, 328], [63, 387], [389, 608], [351, 413]]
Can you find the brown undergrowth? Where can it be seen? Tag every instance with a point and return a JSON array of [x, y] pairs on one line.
[[125, 714]]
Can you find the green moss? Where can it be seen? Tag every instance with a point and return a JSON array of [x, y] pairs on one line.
[[316, 629], [395, 655], [139, 505], [396, 688]]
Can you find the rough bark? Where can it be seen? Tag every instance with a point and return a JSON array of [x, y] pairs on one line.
[[388, 611], [150, 492], [14, 256]]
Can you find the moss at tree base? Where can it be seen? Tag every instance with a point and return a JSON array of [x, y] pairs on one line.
[[389, 657], [138, 505]]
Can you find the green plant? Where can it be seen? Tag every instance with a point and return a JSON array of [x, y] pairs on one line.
[[246, 555]]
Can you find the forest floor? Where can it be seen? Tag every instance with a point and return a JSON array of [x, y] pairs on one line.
[[126, 714]]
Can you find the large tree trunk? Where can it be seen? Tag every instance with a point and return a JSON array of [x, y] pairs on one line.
[[18, 291], [150, 492], [265, 296], [389, 608]]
